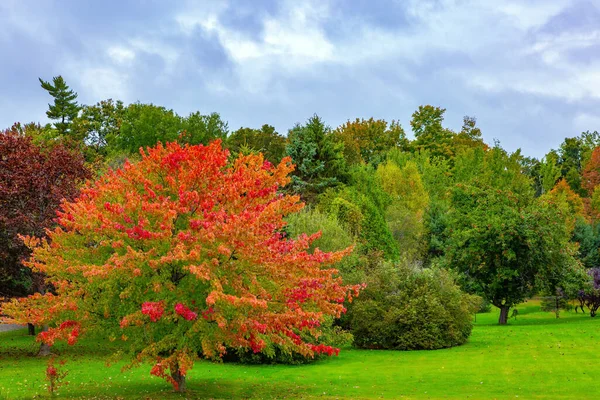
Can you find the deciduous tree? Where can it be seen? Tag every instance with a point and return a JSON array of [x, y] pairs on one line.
[[265, 140], [183, 253], [503, 241], [429, 133], [367, 141], [33, 182], [591, 172]]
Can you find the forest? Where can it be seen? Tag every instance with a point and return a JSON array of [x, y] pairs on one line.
[[179, 242]]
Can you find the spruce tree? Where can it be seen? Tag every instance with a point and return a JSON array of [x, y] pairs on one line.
[[65, 108]]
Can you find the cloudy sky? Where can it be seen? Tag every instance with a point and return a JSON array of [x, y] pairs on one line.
[[528, 70]]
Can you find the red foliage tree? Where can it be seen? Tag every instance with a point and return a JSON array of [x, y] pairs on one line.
[[33, 182], [183, 253], [591, 172]]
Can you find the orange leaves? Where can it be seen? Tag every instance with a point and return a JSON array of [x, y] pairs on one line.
[[182, 233], [591, 172]]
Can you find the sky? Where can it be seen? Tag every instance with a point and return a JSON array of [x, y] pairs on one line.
[[528, 70]]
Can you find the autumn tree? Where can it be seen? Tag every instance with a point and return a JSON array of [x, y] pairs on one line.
[[563, 192], [591, 172], [367, 141], [65, 108], [574, 154], [183, 253], [33, 182]]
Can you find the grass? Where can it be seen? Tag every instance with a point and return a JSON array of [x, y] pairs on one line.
[[535, 357]]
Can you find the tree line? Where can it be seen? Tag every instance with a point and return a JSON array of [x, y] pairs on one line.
[[436, 227]]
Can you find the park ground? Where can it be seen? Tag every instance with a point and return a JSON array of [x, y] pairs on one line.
[[536, 356]]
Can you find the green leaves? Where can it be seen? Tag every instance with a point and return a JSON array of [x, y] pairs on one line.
[[65, 108]]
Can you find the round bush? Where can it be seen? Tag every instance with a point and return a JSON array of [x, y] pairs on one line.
[[407, 308]]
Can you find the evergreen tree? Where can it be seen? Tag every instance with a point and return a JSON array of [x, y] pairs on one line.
[[65, 108], [319, 159]]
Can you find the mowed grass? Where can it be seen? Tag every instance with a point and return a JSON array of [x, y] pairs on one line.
[[535, 357]]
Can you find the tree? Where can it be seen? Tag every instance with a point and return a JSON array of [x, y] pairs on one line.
[[409, 200], [549, 172], [591, 294], [202, 129], [574, 154], [319, 159], [367, 141], [468, 137], [437, 179], [429, 133], [183, 253], [33, 182], [100, 125], [264, 140], [65, 108], [145, 125], [591, 172], [563, 192], [360, 207], [500, 239]]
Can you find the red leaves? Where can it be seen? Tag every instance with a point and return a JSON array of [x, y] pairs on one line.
[[207, 314], [185, 312], [184, 225], [68, 330], [323, 349], [33, 182], [154, 310], [138, 233]]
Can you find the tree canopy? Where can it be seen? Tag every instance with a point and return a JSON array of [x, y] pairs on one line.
[[181, 253]]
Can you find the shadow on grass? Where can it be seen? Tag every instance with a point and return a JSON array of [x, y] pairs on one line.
[[541, 319], [197, 388]]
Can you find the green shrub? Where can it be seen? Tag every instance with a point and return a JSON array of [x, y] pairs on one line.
[[408, 308]]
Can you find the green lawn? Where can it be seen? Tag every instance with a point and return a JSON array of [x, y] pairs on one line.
[[534, 357]]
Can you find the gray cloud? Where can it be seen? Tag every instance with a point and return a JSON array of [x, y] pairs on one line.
[[529, 71]]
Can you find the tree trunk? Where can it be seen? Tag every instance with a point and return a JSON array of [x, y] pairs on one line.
[[503, 315], [178, 378], [44, 348], [31, 329]]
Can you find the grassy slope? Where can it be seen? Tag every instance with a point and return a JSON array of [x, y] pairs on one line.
[[535, 357]]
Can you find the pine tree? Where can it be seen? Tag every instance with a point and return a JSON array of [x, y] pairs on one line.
[[65, 108]]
